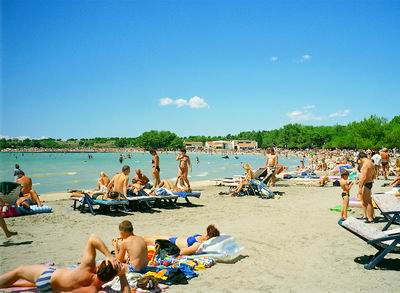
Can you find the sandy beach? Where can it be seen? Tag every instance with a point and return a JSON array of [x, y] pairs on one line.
[[292, 244]]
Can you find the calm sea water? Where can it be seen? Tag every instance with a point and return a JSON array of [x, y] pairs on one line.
[[57, 172]]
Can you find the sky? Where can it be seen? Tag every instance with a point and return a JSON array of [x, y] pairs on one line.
[[107, 68]]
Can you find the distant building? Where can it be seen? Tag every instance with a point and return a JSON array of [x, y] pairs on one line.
[[240, 145], [193, 145], [243, 145], [218, 145]]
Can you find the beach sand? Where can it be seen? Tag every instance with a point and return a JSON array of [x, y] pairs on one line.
[[292, 244]]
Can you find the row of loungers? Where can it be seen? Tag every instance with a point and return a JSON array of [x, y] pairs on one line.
[[384, 240], [132, 202]]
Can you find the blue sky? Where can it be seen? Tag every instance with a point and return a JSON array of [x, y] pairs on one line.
[[118, 68]]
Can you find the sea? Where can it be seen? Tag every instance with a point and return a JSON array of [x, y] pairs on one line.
[[57, 172]]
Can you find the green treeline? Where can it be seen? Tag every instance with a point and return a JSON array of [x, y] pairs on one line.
[[373, 132]]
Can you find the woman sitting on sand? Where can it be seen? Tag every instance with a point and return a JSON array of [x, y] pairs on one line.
[[246, 180], [187, 245]]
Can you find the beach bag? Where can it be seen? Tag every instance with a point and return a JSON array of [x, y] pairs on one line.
[[148, 283], [336, 183], [165, 248]]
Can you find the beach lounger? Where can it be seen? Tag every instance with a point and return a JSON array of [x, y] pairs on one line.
[[389, 205], [383, 241], [186, 195], [105, 206]]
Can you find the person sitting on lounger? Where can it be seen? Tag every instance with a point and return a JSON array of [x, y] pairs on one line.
[[103, 182], [119, 183], [245, 181], [187, 245], [87, 277], [133, 249], [28, 195], [139, 181]]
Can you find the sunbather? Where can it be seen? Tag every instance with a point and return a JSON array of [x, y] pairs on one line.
[[245, 181], [139, 181], [133, 249], [187, 245], [87, 277], [103, 182], [28, 195], [119, 183]]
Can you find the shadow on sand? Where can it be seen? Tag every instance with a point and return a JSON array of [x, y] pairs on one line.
[[387, 264], [11, 243]]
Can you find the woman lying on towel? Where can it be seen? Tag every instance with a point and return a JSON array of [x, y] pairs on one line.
[[187, 245]]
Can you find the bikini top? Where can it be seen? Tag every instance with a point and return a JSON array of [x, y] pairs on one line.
[[192, 239]]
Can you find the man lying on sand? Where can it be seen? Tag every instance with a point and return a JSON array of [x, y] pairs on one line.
[[187, 245], [132, 251], [85, 278]]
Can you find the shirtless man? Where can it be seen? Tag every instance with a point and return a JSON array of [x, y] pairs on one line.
[[385, 162], [184, 164], [132, 251], [139, 181], [272, 161], [367, 176], [29, 196], [85, 278], [119, 183]]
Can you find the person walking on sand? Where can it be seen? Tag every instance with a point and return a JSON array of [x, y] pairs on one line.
[[184, 164], [119, 183], [367, 176], [155, 167], [4, 227], [272, 162], [87, 277], [385, 162]]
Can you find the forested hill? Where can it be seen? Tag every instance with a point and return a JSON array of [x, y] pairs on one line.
[[373, 132]]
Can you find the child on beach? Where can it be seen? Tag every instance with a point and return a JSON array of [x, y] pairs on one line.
[[346, 185], [133, 249]]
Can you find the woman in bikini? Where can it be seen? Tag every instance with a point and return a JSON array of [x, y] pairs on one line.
[[155, 163], [184, 164], [187, 245], [249, 175]]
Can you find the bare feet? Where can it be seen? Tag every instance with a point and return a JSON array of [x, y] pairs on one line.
[[10, 233]]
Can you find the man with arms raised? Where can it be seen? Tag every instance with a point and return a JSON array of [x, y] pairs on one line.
[[119, 183], [85, 278], [367, 176]]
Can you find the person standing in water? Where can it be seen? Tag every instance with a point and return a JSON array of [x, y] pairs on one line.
[[155, 167], [184, 164], [121, 159]]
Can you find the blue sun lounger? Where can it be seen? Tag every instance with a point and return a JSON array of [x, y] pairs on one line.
[[384, 241], [186, 195], [105, 206]]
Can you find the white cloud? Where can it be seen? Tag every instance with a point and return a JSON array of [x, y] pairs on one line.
[[22, 137], [274, 59], [166, 101], [193, 103], [340, 113], [304, 114], [306, 57]]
